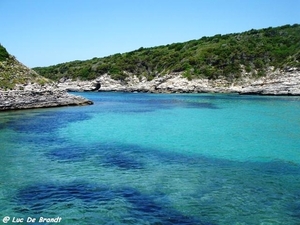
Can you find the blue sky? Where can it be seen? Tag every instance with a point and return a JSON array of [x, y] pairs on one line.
[[48, 32]]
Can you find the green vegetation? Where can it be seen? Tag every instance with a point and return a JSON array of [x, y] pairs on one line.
[[208, 57], [3, 53], [12, 72]]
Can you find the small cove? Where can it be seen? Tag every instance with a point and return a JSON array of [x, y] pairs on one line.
[[154, 159]]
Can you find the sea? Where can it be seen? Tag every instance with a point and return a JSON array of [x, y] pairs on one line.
[[153, 159]]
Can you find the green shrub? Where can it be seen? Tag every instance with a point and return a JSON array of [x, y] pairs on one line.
[[3, 53], [187, 74], [207, 57]]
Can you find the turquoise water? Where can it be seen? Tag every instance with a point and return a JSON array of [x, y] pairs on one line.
[[154, 159]]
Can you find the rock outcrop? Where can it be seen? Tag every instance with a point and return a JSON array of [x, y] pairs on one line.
[[15, 99], [23, 88], [276, 82], [79, 86]]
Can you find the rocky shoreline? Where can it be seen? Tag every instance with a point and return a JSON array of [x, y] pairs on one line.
[[276, 82], [30, 99], [31, 96]]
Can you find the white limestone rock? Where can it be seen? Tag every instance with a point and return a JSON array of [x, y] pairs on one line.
[[275, 83]]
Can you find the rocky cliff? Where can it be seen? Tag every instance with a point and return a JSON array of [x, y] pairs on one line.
[[23, 88], [276, 82], [285, 82]]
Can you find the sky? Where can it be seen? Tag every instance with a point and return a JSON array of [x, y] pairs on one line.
[[48, 32]]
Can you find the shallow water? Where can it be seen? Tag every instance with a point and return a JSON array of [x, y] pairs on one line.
[[154, 159]]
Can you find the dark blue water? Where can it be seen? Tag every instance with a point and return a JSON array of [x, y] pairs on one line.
[[154, 159]]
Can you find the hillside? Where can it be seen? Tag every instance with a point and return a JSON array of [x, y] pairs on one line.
[[15, 75], [23, 88], [221, 56]]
